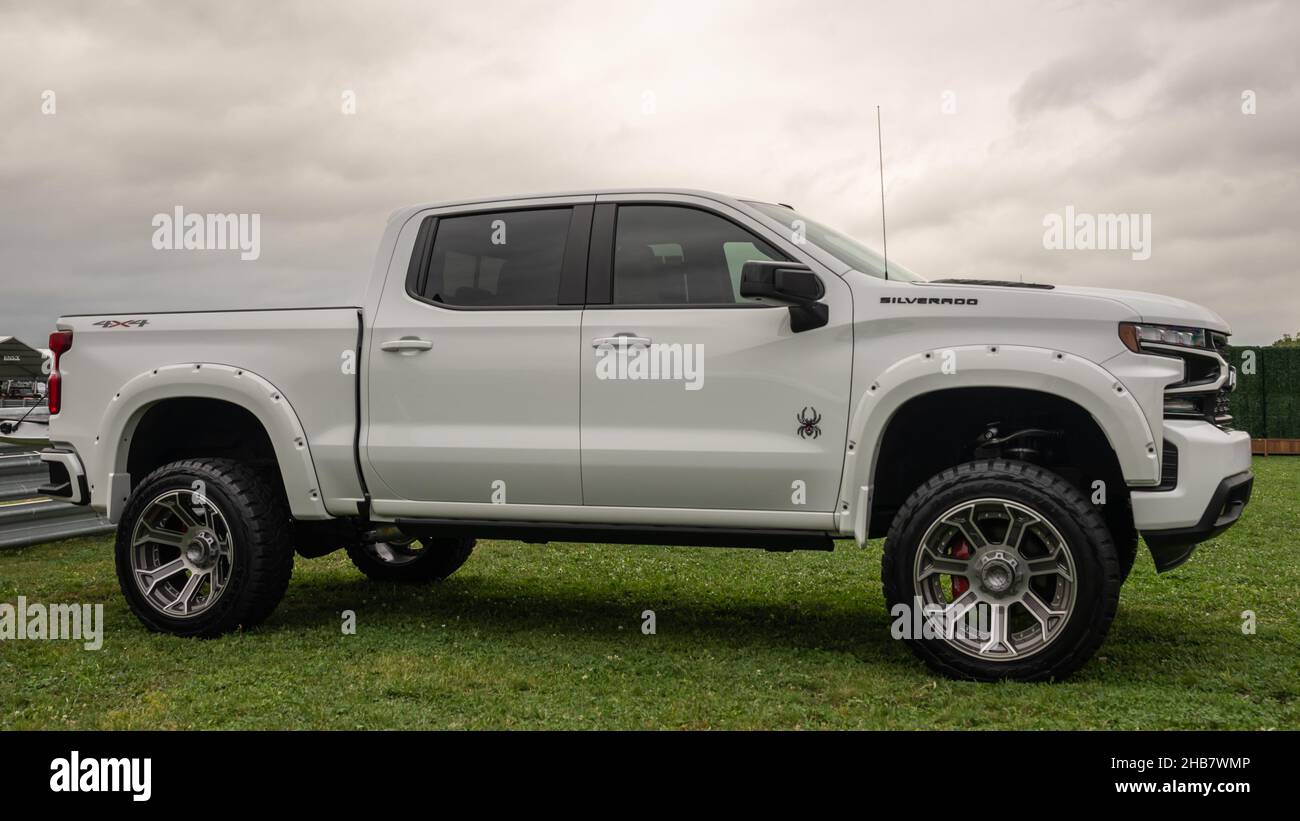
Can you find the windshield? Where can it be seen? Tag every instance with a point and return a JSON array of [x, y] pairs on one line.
[[844, 248]]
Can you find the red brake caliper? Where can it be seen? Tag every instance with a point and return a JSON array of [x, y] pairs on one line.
[[961, 550]]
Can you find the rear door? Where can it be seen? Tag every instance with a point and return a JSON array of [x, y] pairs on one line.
[[728, 408], [473, 372]]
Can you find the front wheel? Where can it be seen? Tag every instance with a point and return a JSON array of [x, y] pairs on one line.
[[1005, 571], [411, 560]]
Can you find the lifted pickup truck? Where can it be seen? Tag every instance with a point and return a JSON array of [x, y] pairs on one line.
[[662, 367]]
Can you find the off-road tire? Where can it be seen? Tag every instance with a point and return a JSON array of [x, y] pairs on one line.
[[259, 527], [1097, 565], [1127, 550]]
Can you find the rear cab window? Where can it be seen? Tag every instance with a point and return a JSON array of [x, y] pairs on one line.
[[500, 259]]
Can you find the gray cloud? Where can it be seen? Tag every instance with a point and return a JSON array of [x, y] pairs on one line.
[[236, 107], [1079, 79]]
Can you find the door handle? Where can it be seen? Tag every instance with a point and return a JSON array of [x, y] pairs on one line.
[[407, 345], [620, 340]]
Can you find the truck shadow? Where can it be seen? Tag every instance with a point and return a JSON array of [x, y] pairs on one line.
[[517, 610], [1147, 645]]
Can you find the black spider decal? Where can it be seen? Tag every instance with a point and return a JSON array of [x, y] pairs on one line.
[[808, 420]]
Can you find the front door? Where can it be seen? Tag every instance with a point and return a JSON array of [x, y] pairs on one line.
[[694, 397]]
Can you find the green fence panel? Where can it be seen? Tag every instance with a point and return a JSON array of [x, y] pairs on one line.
[[1267, 402], [1247, 403], [1280, 372]]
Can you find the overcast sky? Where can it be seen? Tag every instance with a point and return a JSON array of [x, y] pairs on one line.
[[995, 115]]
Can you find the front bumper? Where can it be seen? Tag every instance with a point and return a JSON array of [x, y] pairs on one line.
[[1171, 548], [1205, 497]]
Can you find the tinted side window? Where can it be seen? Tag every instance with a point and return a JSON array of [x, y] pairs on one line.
[[503, 259], [670, 255]]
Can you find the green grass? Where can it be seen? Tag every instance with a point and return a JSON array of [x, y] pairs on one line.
[[548, 636]]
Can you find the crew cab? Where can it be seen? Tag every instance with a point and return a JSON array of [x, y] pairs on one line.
[[661, 367]]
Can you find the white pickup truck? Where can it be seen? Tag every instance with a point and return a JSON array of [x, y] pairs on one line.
[[662, 367]]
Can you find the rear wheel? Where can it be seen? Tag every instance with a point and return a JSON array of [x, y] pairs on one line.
[[203, 548], [411, 560], [1015, 575]]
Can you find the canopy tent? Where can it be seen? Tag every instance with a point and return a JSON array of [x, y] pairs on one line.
[[18, 361]]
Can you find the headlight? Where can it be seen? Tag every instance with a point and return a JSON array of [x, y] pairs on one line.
[[1133, 335]]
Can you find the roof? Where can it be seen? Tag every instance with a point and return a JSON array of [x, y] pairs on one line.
[[402, 214], [743, 204]]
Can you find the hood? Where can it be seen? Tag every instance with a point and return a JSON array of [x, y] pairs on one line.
[[1158, 308], [1154, 308]]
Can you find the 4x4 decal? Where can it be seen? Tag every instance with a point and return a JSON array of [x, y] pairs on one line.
[[121, 323]]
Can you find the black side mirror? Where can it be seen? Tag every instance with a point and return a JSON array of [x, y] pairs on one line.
[[787, 283]]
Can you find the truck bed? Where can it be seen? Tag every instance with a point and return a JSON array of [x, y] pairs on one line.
[[308, 354]]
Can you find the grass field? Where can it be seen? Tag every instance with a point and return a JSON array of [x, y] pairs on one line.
[[549, 636]]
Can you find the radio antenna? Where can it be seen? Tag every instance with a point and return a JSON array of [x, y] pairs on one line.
[[884, 237]]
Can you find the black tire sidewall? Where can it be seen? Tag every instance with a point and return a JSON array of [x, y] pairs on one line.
[[235, 602], [1080, 525]]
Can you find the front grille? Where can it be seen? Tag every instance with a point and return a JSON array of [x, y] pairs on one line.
[[1214, 408], [1200, 370], [1200, 367], [1223, 409], [1205, 368]]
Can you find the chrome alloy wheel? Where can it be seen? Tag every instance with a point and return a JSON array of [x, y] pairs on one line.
[[181, 553], [996, 577]]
